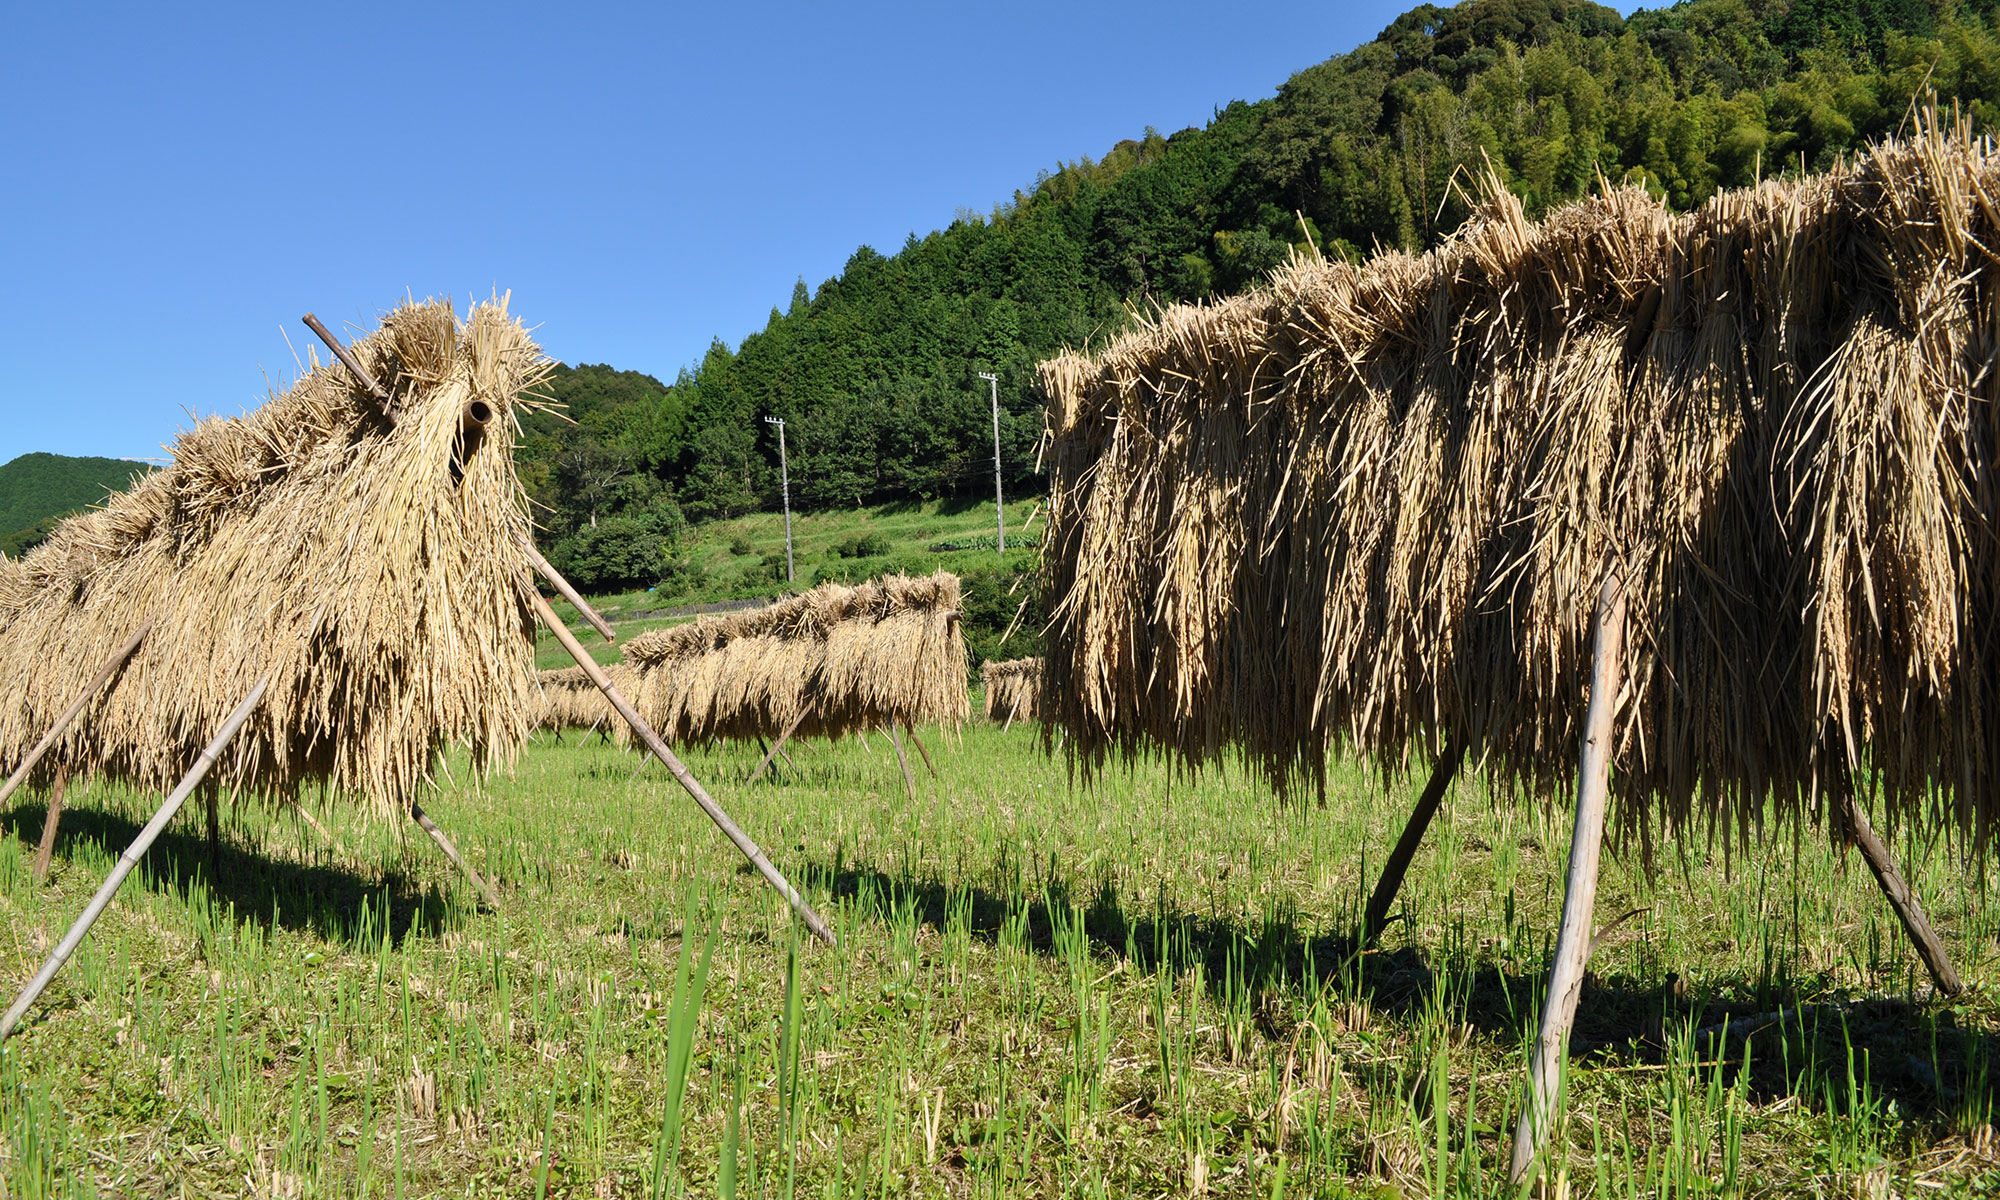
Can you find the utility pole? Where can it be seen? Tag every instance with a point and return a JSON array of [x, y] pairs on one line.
[[785, 481], [999, 513]]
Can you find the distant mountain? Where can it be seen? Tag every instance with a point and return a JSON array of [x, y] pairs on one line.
[[37, 489]]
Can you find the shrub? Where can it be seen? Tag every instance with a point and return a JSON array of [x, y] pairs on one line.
[[772, 569], [631, 550], [740, 546], [865, 545]]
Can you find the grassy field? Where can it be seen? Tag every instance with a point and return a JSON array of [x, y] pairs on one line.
[[1143, 989], [904, 531]]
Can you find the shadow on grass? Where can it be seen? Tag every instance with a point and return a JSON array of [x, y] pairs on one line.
[[1937, 1061], [331, 902]]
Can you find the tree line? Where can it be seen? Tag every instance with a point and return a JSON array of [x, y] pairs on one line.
[[876, 370]]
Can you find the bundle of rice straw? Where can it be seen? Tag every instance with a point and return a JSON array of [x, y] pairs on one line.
[[835, 660], [1013, 689], [1370, 505], [569, 700], [400, 537]]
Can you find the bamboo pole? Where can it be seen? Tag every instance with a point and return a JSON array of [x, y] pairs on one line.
[[1902, 897], [47, 849], [773, 751], [909, 780], [687, 780], [1572, 951], [424, 822], [1013, 710], [919, 744], [1398, 865], [76, 706], [354, 367], [130, 858], [325, 834], [568, 593]]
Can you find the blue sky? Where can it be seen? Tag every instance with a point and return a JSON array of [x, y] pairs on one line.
[[183, 182]]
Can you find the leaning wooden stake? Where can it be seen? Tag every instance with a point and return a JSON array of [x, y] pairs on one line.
[[568, 593], [909, 780], [1572, 953], [1902, 897], [326, 835], [1377, 917], [354, 368], [775, 748], [423, 820], [687, 780], [919, 744], [130, 858], [76, 706], [47, 849]]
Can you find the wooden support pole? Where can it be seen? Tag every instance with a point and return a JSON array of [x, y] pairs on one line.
[[424, 822], [354, 367], [919, 744], [1391, 882], [1572, 951], [76, 706], [325, 834], [1902, 897], [132, 855], [1013, 710], [47, 849], [775, 748], [658, 746], [909, 780], [568, 593]]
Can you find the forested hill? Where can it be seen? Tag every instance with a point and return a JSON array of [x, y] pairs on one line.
[[876, 369], [37, 489]]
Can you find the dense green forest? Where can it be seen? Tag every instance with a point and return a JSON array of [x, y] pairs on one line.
[[37, 490], [876, 370]]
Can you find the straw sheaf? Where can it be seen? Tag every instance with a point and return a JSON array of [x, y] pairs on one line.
[[1369, 506], [569, 700], [314, 539], [835, 658], [1013, 689]]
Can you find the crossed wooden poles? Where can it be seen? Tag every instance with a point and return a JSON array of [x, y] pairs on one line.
[[236, 719], [1573, 938], [777, 748]]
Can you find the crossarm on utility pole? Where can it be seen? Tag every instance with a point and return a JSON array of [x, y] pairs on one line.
[[658, 746]]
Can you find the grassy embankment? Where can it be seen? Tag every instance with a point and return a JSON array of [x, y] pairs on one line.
[[1139, 990], [906, 531]]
